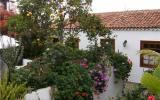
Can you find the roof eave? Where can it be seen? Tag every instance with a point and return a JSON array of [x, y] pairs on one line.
[[135, 29]]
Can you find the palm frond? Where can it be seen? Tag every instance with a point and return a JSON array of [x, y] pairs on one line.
[[149, 53], [154, 54]]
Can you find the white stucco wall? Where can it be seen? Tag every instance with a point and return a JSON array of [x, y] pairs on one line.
[[133, 46], [6, 42], [12, 6]]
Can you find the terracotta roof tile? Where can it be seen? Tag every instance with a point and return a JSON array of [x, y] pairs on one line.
[[131, 19]]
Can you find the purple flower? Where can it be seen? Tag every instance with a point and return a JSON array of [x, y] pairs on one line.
[[99, 66], [99, 83]]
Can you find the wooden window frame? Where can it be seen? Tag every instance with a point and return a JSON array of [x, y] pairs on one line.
[[142, 43]]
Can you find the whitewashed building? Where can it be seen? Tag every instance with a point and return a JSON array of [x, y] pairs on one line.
[[10, 5], [133, 31]]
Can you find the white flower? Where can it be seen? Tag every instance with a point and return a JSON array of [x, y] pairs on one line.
[[47, 49], [38, 39]]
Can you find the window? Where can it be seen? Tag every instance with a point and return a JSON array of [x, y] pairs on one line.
[[148, 61], [105, 42]]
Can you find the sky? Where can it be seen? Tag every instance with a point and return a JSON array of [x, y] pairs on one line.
[[123, 5]]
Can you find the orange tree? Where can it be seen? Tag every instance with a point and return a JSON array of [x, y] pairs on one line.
[[41, 20]]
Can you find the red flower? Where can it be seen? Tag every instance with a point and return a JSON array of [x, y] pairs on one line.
[[84, 94], [84, 65], [3, 23], [129, 61], [151, 97]]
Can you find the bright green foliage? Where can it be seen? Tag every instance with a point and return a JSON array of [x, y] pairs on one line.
[[122, 66], [11, 91], [151, 81], [157, 72]]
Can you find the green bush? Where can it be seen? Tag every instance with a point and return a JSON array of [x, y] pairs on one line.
[[96, 53], [135, 94], [72, 81], [151, 81], [60, 67], [139, 93], [51, 69], [69, 79], [32, 25], [11, 91], [35, 75], [122, 66]]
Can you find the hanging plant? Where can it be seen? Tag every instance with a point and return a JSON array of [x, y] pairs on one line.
[[100, 78], [122, 66], [98, 73]]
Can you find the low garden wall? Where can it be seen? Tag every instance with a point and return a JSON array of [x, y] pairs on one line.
[[41, 94]]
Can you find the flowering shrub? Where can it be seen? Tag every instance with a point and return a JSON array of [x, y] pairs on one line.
[[98, 74], [84, 63], [122, 66], [100, 77], [72, 82]]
